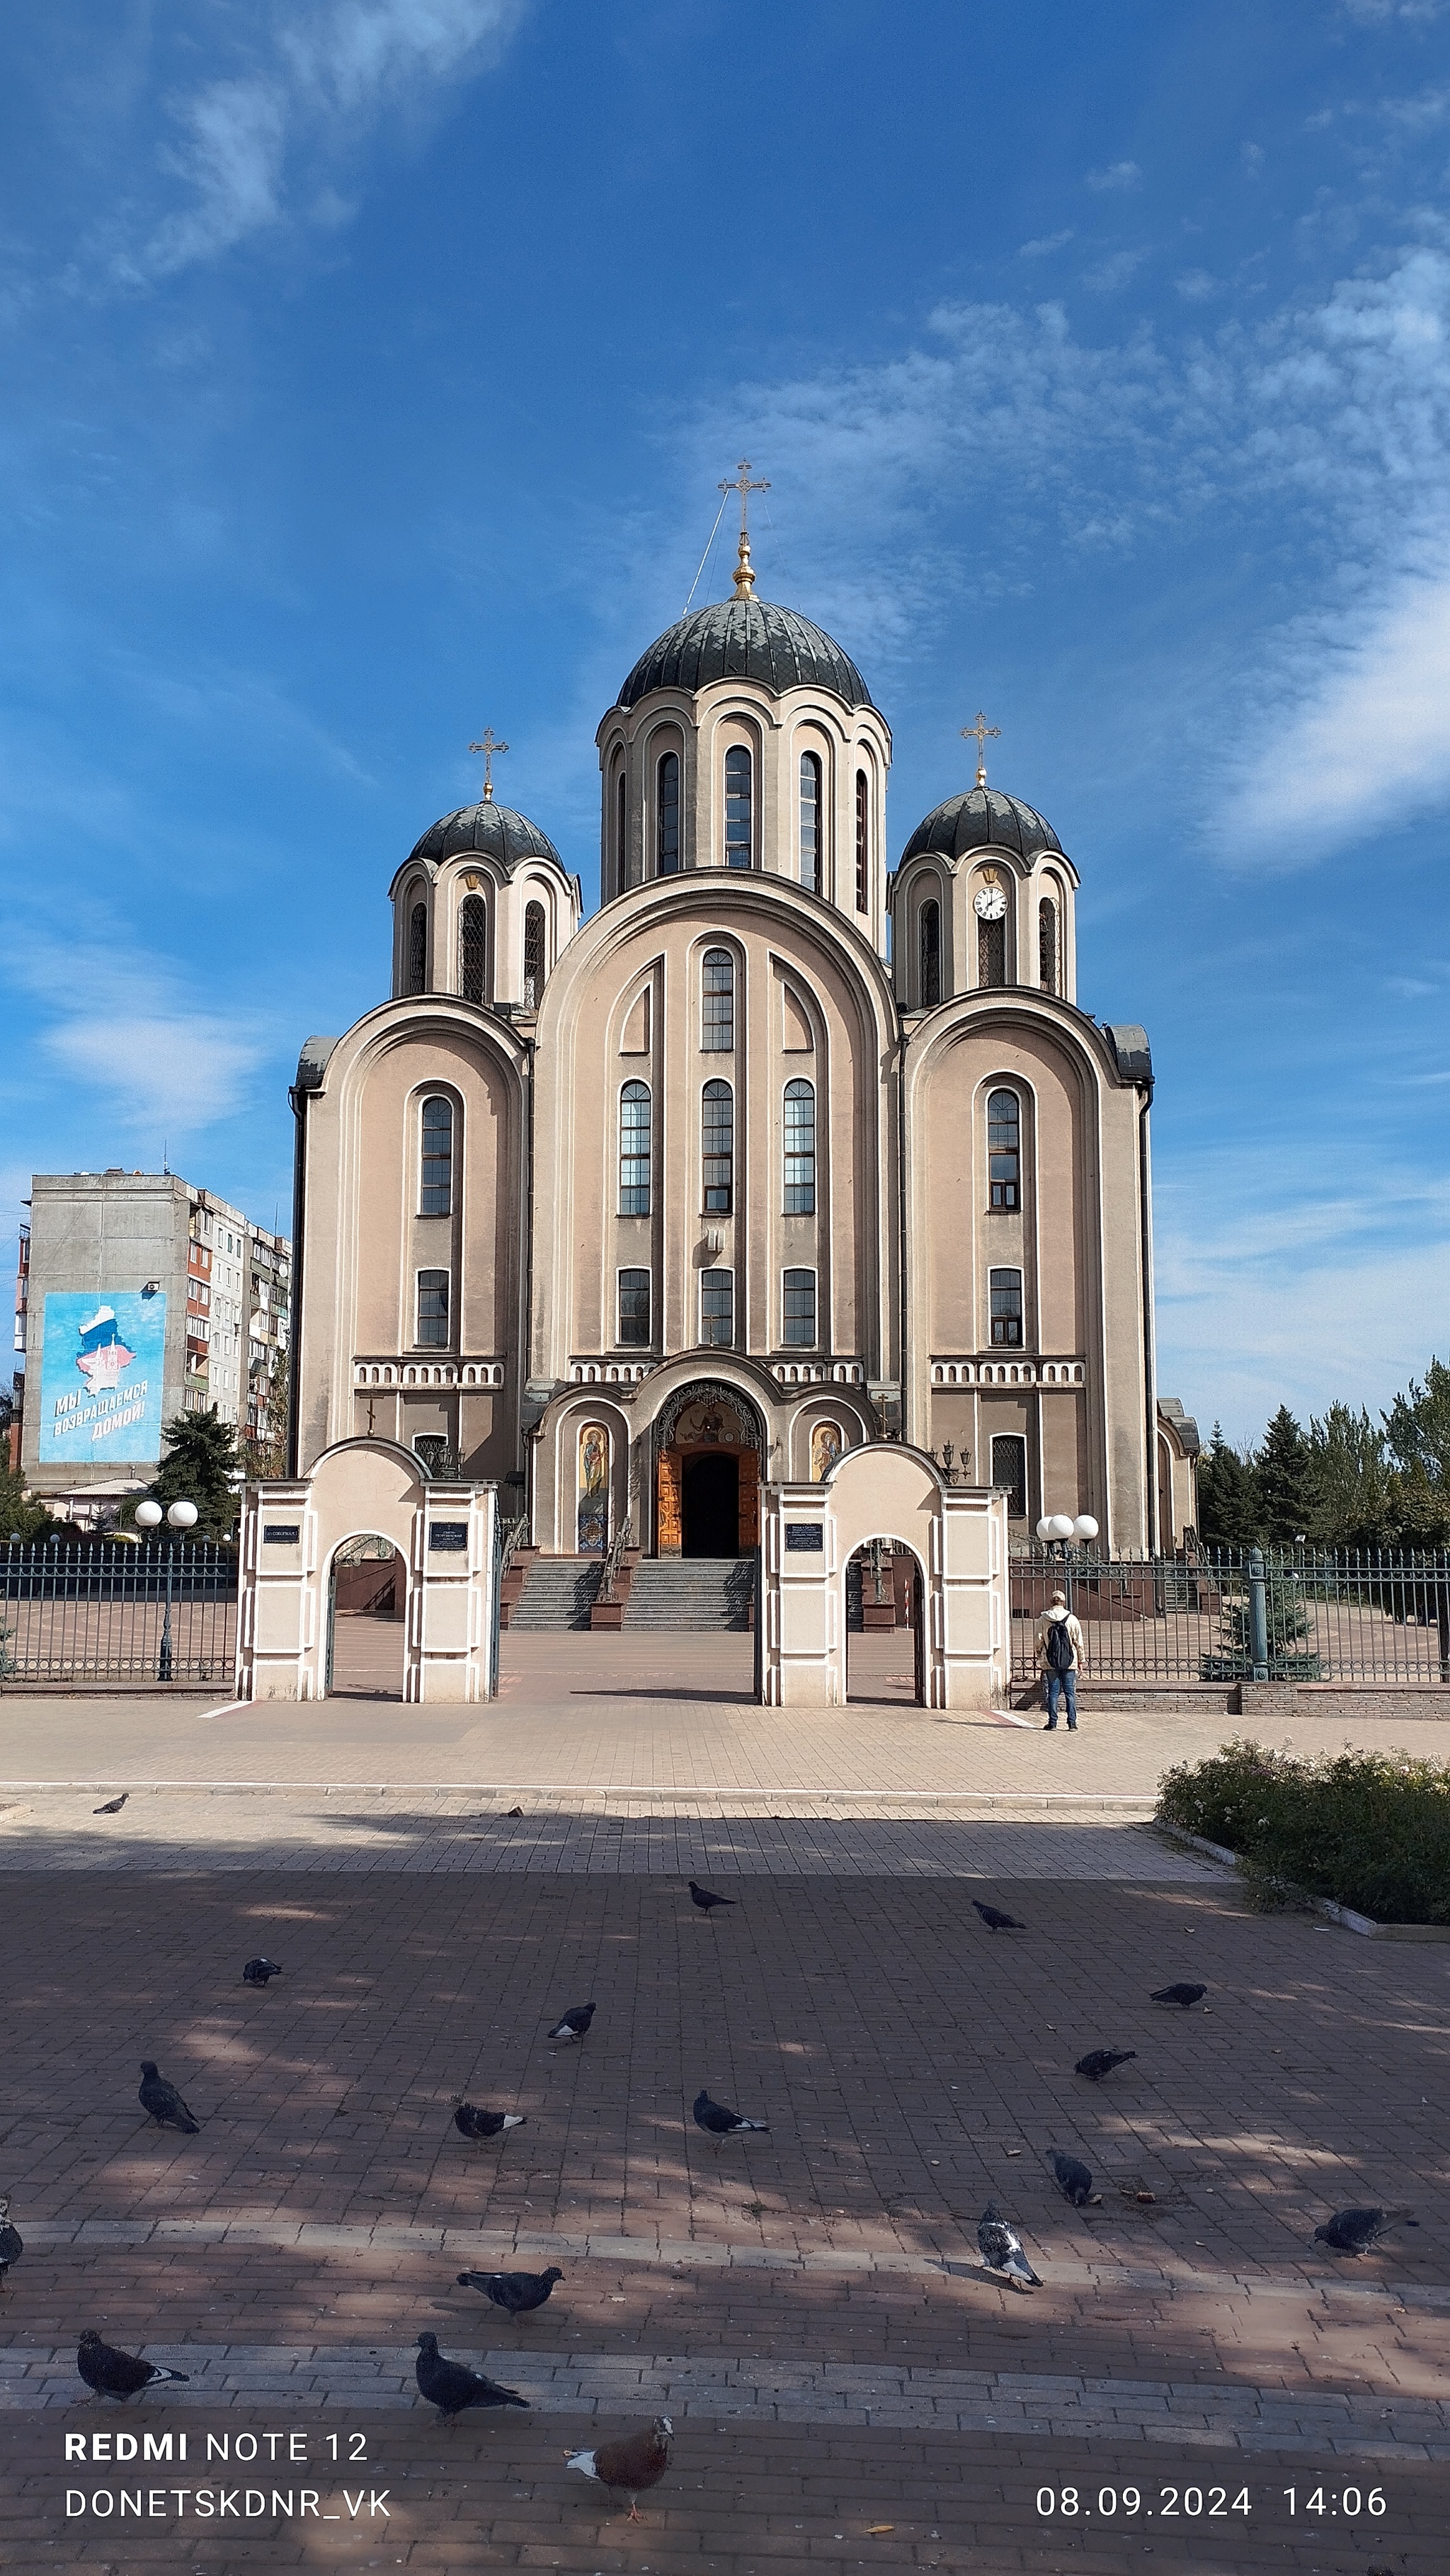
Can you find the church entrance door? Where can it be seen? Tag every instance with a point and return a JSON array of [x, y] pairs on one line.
[[711, 1516]]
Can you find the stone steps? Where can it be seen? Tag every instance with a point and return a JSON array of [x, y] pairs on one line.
[[691, 1592], [558, 1592]]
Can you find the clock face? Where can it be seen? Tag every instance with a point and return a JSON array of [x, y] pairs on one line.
[[990, 903]]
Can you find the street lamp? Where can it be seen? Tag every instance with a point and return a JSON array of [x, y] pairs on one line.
[[181, 1516], [1060, 1529]]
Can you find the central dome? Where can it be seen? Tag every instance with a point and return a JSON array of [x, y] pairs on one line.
[[746, 639], [492, 831], [982, 819]]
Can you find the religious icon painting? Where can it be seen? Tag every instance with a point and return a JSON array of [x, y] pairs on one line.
[[593, 1520], [826, 1447]]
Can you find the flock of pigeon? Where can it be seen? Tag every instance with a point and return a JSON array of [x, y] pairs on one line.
[[1349, 2231], [631, 2466]]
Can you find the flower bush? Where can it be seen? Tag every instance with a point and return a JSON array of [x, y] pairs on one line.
[[1369, 1830]]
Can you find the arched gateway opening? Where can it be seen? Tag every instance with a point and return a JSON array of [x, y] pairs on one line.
[[885, 1625], [367, 1601], [708, 1448]]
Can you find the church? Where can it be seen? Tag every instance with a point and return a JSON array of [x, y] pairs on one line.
[[782, 1150]]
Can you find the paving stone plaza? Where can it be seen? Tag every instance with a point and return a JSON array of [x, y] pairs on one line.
[[848, 2388]]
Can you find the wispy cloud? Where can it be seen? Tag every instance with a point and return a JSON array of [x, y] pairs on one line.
[[1109, 276], [125, 1025], [1117, 178], [1049, 243]]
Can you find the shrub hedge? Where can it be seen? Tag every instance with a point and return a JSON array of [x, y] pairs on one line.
[[1369, 1830]]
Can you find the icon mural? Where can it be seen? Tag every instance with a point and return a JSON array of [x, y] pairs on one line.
[[593, 1532], [100, 1377], [826, 1447]]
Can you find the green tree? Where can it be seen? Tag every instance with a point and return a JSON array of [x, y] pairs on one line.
[[1285, 1623], [1229, 1511], [1417, 1428], [1282, 1473], [201, 1466], [1352, 1488], [19, 1518]]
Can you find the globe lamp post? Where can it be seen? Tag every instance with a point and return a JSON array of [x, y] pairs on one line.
[[1061, 1530], [180, 1516]]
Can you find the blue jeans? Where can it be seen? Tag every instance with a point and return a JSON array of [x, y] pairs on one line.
[[1062, 1682]]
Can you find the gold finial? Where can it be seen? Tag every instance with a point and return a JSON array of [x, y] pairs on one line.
[[982, 733], [740, 482], [488, 747]]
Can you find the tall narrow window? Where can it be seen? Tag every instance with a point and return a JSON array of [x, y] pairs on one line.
[[717, 1146], [798, 1308], [991, 951], [634, 1149], [739, 826], [435, 1196], [863, 839], [432, 1333], [472, 946], [620, 825], [634, 1310], [930, 920], [418, 949], [717, 1002], [717, 1308], [667, 815], [535, 955], [1004, 1149], [811, 822], [1047, 945], [1009, 1468], [1005, 1291], [800, 1149]]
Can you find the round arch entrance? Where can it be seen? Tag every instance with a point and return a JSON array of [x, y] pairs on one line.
[[708, 1448], [366, 1606], [885, 1624]]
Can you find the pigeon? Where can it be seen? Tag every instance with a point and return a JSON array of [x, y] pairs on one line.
[[1001, 2249], [257, 1971], [451, 2385], [1353, 2231], [112, 1806], [1074, 2180], [630, 2466], [470, 2122], [720, 2122], [1101, 2061], [574, 2023], [163, 2101], [518, 2292], [513, 1811], [1185, 1995], [996, 1920], [112, 2373], [12, 2243], [706, 1899]]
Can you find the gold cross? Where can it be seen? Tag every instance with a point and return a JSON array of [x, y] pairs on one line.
[[488, 747], [740, 482], [983, 733]]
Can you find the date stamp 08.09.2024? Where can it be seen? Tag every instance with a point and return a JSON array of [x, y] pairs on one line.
[[1326, 2500]]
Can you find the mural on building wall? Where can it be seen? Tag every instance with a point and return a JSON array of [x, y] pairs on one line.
[[100, 1377], [826, 1447], [593, 1525]]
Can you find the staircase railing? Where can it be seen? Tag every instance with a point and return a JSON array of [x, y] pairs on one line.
[[510, 1539], [614, 1559]]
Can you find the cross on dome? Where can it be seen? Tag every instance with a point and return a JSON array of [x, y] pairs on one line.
[[488, 746], [982, 733], [740, 482]]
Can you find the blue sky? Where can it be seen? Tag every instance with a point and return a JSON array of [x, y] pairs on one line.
[[372, 364]]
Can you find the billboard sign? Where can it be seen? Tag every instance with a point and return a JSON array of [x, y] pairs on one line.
[[100, 1378]]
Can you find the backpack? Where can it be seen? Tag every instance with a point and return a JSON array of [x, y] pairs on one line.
[[1059, 1647]]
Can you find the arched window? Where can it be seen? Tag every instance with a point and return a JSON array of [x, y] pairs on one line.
[[432, 1332], [634, 1310], [811, 821], [717, 1002], [418, 949], [717, 1147], [739, 826], [435, 1192], [536, 955], [1009, 1468], [667, 815], [991, 931], [634, 1149], [800, 1149], [620, 824], [1004, 1149], [798, 1308], [863, 837], [717, 1308], [1047, 945], [1004, 1288], [472, 946], [930, 922]]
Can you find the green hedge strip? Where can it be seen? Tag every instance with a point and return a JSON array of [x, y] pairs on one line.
[[1370, 1830]]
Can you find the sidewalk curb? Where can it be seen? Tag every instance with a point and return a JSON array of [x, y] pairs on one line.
[[1343, 1915]]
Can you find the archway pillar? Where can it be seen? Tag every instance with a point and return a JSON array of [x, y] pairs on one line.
[[446, 1535], [958, 1534]]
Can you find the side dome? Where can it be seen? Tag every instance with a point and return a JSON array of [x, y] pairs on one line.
[[979, 819], [746, 639], [492, 831]]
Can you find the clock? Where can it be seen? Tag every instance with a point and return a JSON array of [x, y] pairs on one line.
[[989, 903]]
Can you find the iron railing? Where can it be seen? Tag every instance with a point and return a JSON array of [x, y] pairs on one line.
[[1243, 1614], [117, 1612]]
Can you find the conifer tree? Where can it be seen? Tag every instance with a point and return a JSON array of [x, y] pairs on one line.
[[200, 1467], [1229, 1513], [1282, 1472]]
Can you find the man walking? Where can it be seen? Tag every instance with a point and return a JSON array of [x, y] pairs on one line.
[[1059, 1659]]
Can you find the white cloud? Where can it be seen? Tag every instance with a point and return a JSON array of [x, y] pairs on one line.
[[1196, 286], [1111, 275], [1116, 178], [1049, 242], [328, 72], [170, 1072]]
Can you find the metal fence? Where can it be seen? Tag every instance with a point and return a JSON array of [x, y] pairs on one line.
[[117, 1612], [1242, 1614]]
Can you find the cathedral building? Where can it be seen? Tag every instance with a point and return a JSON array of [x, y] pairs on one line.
[[780, 1151]]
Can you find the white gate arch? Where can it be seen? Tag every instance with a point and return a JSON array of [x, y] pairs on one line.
[[958, 1535], [446, 1534]]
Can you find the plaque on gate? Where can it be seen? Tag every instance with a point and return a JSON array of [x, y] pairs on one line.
[[805, 1538]]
